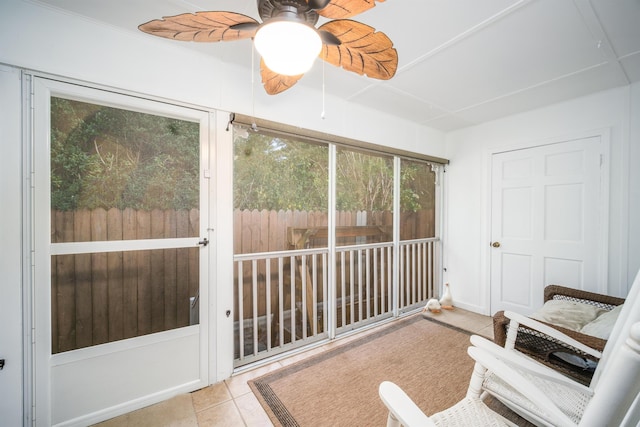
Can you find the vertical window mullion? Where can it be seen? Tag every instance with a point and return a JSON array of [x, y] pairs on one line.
[[331, 244], [396, 235]]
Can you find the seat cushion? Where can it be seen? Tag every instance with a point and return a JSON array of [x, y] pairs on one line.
[[568, 314], [602, 325]]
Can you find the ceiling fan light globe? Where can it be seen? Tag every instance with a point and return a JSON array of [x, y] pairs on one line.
[[288, 47]]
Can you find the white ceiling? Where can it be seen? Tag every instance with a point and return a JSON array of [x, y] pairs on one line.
[[461, 62]]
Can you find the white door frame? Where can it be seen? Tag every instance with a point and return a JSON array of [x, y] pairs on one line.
[[603, 210], [37, 306], [221, 339]]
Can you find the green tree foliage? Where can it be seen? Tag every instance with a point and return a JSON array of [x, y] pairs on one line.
[[275, 173], [109, 157], [364, 181], [417, 186]]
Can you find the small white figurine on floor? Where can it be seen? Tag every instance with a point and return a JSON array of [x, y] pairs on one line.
[[446, 301], [432, 305]]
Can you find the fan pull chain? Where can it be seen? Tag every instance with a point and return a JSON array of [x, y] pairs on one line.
[[323, 94], [254, 127]]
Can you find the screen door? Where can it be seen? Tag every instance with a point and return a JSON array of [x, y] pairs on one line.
[[121, 243]]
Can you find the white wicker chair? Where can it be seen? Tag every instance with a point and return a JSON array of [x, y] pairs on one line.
[[469, 411], [612, 401], [539, 393], [571, 397]]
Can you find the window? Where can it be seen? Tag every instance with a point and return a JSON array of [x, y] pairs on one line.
[[417, 250], [364, 195], [121, 175], [278, 183], [417, 199]]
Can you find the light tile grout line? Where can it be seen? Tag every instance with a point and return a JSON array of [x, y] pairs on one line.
[[233, 398]]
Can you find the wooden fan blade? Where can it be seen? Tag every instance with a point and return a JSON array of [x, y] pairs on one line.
[[340, 9], [275, 83], [361, 50], [246, 26], [202, 27]]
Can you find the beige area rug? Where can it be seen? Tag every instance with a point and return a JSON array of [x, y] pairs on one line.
[[426, 358]]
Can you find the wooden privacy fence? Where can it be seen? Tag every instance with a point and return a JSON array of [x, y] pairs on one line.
[[266, 230], [104, 297], [108, 296]]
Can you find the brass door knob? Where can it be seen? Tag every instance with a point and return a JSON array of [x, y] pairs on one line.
[[496, 244]]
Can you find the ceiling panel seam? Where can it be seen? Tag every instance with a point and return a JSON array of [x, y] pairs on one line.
[[451, 42], [465, 34], [540, 84], [593, 24]]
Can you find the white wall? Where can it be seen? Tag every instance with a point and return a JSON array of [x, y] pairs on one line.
[[633, 163], [467, 238], [11, 249], [45, 40]]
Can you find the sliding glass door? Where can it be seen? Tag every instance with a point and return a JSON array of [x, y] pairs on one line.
[[363, 237], [328, 238]]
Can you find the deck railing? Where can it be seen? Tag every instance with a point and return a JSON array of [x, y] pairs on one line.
[[283, 300]]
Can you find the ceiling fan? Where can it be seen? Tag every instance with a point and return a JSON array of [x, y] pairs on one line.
[[345, 43]]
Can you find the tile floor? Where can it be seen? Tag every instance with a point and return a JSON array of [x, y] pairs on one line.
[[231, 402]]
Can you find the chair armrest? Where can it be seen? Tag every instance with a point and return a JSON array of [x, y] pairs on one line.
[[520, 384], [551, 332], [526, 363], [402, 407], [501, 323], [607, 302], [542, 347]]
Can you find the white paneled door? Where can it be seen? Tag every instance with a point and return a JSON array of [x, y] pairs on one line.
[[548, 221]]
